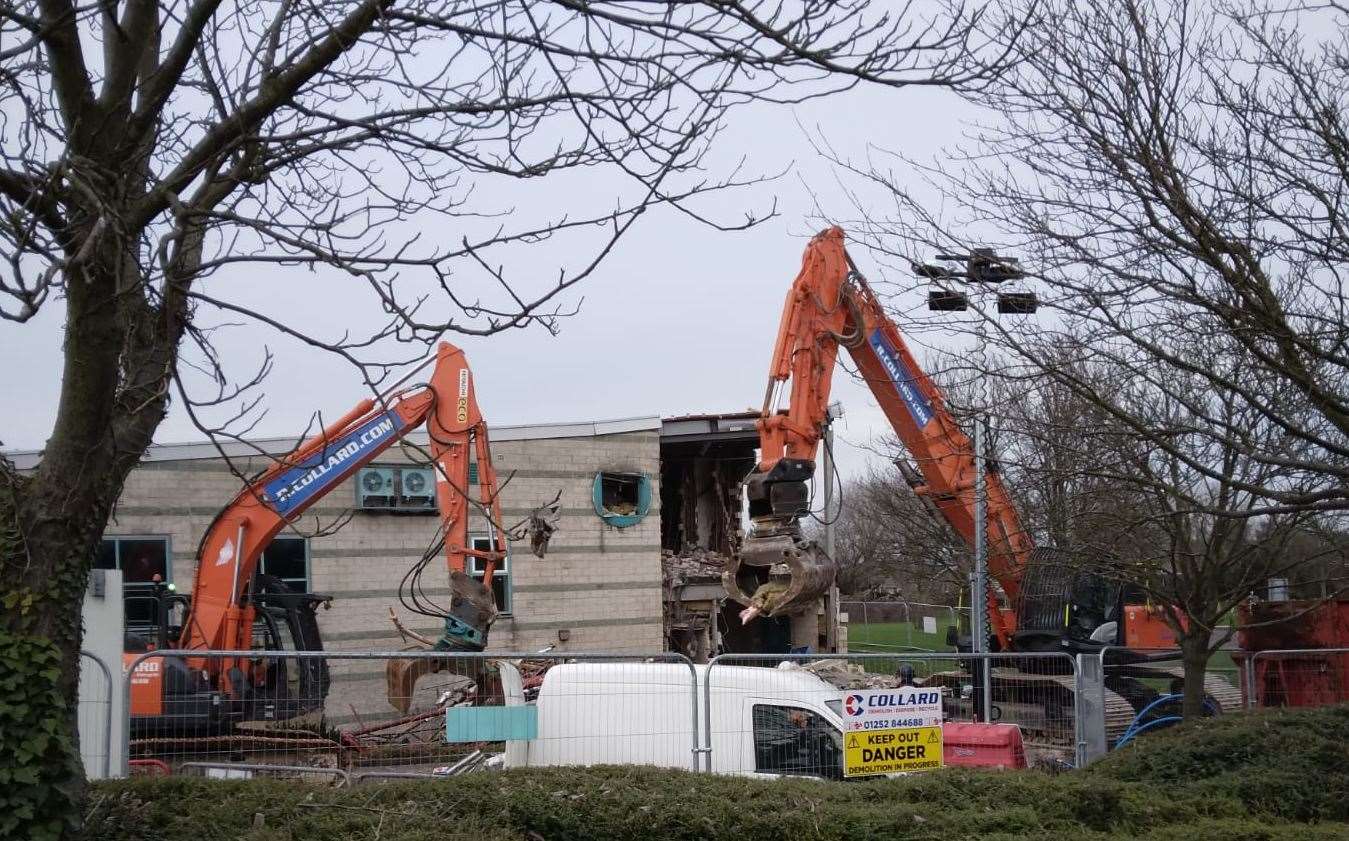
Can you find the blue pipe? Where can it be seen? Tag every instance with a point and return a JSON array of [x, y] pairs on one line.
[[1133, 725], [1135, 728], [1130, 734]]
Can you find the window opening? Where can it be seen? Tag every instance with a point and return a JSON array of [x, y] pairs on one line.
[[501, 578], [140, 559], [287, 558], [622, 499]]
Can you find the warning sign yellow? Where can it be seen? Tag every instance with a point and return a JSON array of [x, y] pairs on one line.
[[891, 751]]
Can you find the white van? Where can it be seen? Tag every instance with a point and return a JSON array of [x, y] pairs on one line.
[[765, 721]]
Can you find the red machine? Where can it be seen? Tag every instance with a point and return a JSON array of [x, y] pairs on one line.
[[229, 601], [983, 745], [1053, 606], [1309, 679]]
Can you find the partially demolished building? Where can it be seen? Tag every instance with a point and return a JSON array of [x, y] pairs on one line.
[[647, 511], [703, 460]]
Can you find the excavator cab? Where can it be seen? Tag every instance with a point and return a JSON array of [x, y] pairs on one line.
[[170, 696], [153, 619], [282, 688], [1065, 607]]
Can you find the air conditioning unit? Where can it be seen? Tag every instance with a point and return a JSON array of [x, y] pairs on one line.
[[417, 488], [375, 488]]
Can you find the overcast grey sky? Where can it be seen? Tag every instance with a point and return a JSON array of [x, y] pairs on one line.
[[680, 319]]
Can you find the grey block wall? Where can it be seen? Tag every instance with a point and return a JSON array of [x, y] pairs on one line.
[[599, 585]]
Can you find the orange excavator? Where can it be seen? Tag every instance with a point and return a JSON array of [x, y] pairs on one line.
[[1050, 605], [233, 608]]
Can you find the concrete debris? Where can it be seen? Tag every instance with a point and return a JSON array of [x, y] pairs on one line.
[[698, 563], [469, 763], [539, 526], [540, 532], [691, 597], [531, 676], [843, 674]]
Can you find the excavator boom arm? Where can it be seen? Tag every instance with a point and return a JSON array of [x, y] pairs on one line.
[[830, 304], [221, 617]]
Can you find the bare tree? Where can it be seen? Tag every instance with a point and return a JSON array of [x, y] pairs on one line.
[[1113, 503], [1318, 559], [156, 153], [886, 540], [1172, 175]]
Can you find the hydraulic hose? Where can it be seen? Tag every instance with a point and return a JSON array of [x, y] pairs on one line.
[[1135, 727]]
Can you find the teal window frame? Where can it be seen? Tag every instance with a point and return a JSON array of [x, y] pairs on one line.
[[622, 521]]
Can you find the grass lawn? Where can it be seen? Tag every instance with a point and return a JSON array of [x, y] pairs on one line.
[[874, 636], [901, 636]]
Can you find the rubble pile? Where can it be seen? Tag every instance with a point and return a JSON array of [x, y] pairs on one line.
[[531, 676], [697, 563], [688, 624], [843, 674]]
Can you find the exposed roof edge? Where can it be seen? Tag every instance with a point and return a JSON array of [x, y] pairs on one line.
[[28, 459], [734, 426]]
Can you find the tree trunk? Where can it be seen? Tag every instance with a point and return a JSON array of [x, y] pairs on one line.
[[42, 790], [118, 357], [1195, 654]]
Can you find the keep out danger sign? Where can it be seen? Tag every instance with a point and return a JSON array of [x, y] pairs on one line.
[[886, 731], [891, 751]]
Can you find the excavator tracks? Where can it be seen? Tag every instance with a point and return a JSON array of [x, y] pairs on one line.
[[1042, 705], [1220, 689]]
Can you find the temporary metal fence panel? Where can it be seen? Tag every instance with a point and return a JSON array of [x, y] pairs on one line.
[[95, 719], [1300, 677], [784, 713], [1090, 710], [774, 714], [1144, 675], [1141, 690], [878, 624], [313, 711], [899, 625]]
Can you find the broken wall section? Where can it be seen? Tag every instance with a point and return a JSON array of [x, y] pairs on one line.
[[704, 460]]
